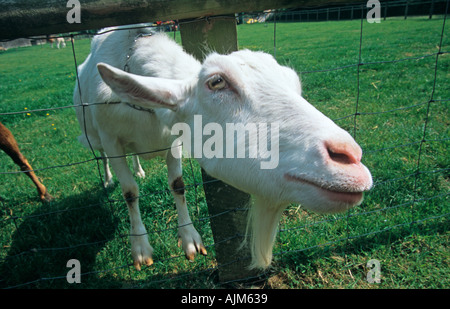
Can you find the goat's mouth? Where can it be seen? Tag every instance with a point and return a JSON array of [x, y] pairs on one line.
[[341, 195]]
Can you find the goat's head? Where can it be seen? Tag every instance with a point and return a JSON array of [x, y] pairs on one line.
[[317, 163]]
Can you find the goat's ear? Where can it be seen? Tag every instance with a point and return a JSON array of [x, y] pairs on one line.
[[144, 91]]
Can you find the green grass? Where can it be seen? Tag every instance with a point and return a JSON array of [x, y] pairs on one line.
[[312, 251]]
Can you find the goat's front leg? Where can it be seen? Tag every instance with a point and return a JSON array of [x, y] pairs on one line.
[[141, 250], [188, 235]]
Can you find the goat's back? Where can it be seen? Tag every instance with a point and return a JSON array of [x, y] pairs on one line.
[[139, 51]]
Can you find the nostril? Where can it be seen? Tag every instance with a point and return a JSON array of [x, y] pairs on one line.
[[343, 153], [340, 157]]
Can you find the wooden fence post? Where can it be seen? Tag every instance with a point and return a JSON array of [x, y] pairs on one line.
[[226, 205], [406, 9], [431, 10], [385, 9]]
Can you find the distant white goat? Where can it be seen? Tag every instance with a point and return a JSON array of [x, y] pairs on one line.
[[59, 42], [319, 163]]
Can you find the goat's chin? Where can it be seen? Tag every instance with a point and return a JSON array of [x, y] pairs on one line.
[[329, 196], [323, 201], [325, 205], [326, 201]]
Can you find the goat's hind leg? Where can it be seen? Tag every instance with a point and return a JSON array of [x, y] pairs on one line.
[[141, 250], [188, 235], [138, 171], [108, 182]]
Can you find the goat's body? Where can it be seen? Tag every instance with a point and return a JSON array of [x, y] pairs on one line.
[[59, 42], [117, 128], [153, 55], [134, 137], [9, 145]]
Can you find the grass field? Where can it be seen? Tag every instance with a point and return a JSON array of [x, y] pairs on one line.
[[403, 221]]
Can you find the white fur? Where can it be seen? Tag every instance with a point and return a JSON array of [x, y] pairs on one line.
[[59, 42], [317, 159]]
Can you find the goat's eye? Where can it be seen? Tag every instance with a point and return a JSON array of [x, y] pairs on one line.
[[217, 82]]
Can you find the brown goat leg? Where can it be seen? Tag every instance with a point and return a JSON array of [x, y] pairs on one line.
[[9, 145]]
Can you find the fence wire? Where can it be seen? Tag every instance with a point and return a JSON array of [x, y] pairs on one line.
[[197, 184]]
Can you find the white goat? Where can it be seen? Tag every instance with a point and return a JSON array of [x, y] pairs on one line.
[[319, 163], [59, 42]]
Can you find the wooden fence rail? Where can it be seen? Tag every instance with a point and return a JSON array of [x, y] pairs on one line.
[[19, 18]]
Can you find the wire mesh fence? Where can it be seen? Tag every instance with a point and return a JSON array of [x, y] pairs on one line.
[[106, 238]]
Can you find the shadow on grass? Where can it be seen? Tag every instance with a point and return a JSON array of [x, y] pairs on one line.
[[77, 227], [82, 227]]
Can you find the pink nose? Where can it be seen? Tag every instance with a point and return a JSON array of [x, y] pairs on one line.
[[343, 153]]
